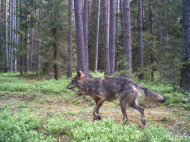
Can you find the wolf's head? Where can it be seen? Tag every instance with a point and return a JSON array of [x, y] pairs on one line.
[[74, 82]]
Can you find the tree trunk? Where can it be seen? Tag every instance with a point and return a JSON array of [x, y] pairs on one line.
[[85, 31], [21, 55], [151, 54], [127, 35], [14, 34], [6, 35], [55, 55], [27, 45], [70, 39], [21, 45], [112, 37], [90, 8], [121, 11], [0, 37], [185, 71], [108, 12], [106, 39], [79, 37], [17, 28], [140, 44], [117, 36], [97, 37]]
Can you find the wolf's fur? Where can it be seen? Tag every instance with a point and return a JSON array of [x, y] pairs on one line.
[[101, 89]]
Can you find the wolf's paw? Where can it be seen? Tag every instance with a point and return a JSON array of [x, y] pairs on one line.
[[143, 121], [98, 118], [125, 121]]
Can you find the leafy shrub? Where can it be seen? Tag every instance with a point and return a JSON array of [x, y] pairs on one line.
[[19, 127], [155, 133], [58, 125], [106, 131], [23, 126]]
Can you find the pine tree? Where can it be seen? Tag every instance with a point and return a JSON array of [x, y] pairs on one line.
[[185, 71], [112, 37], [81, 66], [127, 35], [106, 38], [70, 38], [140, 44]]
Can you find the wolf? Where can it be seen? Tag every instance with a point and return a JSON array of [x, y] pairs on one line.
[[110, 88]]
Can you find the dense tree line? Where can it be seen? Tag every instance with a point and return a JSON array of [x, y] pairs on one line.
[[142, 37]]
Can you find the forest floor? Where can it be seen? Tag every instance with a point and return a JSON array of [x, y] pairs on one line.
[[176, 120]]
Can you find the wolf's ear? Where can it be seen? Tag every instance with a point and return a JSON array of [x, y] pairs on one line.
[[80, 75]]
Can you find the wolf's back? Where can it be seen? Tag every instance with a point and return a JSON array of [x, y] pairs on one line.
[[152, 95]]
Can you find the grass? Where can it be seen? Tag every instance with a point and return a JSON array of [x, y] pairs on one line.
[[24, 126], [45, 110]]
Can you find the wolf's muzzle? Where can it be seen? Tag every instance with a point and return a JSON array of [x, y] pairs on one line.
[[70, 86]]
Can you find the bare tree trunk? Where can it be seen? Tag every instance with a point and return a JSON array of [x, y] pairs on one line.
[[21, 46], [27, 45], [14, 34], [21, 55], [117, 36], [185, 71], [17, 28], [151, 54], [11, 12], [106, 38], [0, 37], [112, 37], [32, 50], [108, 11], [97, 37], [127, 35], [121, 11], [6, 34], [55, 55], [70, 39], [85, 31], [140, 44], [79, 37], [39, 43]]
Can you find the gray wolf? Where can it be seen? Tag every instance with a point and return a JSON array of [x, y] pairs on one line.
[[110, 88]]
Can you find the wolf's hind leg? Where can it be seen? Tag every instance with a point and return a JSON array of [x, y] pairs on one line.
[[123, 110], [99, 101], [141, 110]]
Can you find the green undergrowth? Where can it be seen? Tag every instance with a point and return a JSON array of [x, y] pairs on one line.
[[15, 85], [173, 98], [25, 126]]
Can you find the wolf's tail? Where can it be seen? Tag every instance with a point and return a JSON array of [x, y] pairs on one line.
[[152, 95]]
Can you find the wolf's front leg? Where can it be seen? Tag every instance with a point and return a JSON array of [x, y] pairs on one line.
[[99, 101]]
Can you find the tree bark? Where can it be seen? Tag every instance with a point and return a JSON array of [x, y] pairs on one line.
[[70, 39], [81, 66], [97, 36], [0, 37], [140, 44], [85, 31], [151, 54], [117, 36], [6, 34], [21, 45], [121, 11], [112, 37], [185, 71], [55, 54], [127, 36], [106, 39]]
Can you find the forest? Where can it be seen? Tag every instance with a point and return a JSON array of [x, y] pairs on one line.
[[45, 43]]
